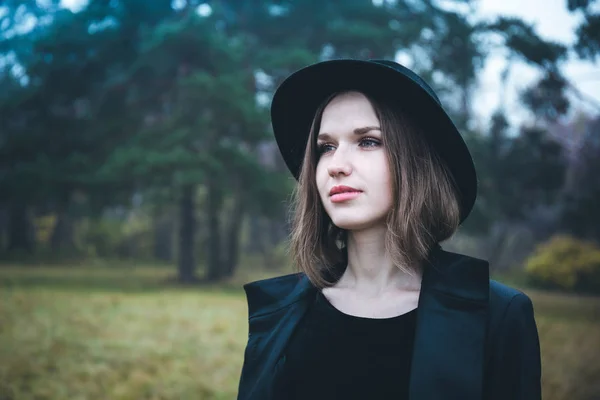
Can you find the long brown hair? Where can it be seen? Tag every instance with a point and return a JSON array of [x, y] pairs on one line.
[[425, 212]]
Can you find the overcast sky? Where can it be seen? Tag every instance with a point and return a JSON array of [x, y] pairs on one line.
[[552, 21]]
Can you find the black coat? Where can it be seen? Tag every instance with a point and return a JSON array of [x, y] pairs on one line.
[[475, 338]]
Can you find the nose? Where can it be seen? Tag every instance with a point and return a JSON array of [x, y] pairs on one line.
[[339, 164]]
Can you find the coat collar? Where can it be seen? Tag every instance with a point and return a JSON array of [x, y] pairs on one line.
[[448, 352]]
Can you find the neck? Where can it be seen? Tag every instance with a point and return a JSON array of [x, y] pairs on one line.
[[370, 270]]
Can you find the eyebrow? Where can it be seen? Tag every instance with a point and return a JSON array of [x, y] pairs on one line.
[[357, 131]]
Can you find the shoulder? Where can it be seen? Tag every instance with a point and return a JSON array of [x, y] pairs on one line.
[[504, 298], [267, 295], [510, 312], [468, 276], [513, 347]]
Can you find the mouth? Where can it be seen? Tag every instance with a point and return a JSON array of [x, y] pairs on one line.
[[342, 189], [343, 193]]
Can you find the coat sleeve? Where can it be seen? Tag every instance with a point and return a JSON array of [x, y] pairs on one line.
[[515, 370]]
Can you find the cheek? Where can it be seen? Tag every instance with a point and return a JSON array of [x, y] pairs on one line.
[[321, 177], [384, 180]]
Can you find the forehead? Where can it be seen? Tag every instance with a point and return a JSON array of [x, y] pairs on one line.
[[347, 111]]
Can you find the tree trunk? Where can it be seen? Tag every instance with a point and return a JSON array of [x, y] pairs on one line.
[[496, 244], [3, 228], [62, 234], [277, 231], [255, 243], [232, 238], [214, 203], [20, 229], [187, 226], [163, 236]]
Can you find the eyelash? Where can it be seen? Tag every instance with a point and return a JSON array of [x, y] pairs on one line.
[[375, 142]]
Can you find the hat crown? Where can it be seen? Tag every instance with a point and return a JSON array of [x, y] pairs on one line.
[[405, 71]]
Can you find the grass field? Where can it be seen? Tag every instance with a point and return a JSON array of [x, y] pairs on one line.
[[123, 333]]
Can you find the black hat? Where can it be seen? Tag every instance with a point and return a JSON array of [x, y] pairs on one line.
[[297, 99]]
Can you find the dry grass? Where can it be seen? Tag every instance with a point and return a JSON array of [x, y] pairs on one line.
[[569, 328], [114, 333]]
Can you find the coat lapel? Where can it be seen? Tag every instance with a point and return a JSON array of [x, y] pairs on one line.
[[448, 353], [271, 328]]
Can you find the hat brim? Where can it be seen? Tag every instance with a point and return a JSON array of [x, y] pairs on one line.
[[297, 99]]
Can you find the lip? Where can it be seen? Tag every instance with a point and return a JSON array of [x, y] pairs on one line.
[[345, 196], [339, 194], [342, 189]]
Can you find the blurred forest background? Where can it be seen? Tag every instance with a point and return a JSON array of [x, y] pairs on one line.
[[140, 185]]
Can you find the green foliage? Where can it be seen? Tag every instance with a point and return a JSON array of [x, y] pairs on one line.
[[51, 138], [547, 98], [134, 97], [588, 34], [115, 238], [102, 237], [522, 39], [517, 173], [565, 263], [573, 5], [581, 214]]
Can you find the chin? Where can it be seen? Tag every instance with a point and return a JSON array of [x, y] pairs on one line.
[[351, 223]]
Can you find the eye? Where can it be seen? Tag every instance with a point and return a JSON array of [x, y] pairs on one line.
[[323, 148], [369, 142]]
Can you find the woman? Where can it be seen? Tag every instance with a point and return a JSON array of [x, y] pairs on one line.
[[378, 310]]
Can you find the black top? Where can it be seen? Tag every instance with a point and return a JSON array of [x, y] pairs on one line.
[[333, 355]]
